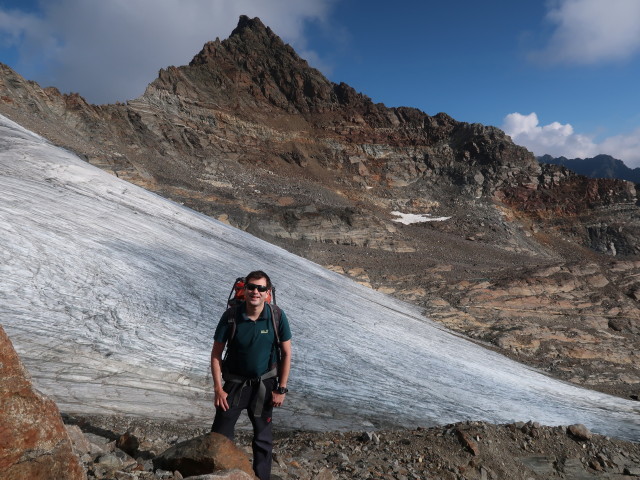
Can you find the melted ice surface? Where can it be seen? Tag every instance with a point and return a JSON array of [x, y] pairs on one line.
[[111, 295]]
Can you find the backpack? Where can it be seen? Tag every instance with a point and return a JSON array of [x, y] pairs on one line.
[[236, 297]]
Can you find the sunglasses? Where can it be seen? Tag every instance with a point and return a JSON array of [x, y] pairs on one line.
[[253, 286]]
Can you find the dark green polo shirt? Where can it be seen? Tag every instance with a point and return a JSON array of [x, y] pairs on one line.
[[251, 351]]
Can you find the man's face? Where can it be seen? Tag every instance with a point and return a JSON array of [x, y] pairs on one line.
[[252, 294]]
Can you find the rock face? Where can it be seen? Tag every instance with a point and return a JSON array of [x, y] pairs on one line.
[[34, 443], [250, 134], [202, 455], [560, 318]]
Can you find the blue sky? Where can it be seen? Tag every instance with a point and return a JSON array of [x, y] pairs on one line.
[[559, 76]]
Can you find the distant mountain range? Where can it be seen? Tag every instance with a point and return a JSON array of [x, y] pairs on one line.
[[600, 166]]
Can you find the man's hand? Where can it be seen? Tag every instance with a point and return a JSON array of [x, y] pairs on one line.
[[220, 396], [277, 399], [221, 399]]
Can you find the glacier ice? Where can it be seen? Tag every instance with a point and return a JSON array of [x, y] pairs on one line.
[[111, 294]]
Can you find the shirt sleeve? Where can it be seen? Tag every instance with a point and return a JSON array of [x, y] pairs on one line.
[[284, 332], [222, 329]]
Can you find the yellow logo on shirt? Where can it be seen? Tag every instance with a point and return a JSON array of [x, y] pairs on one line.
[[264, 331]]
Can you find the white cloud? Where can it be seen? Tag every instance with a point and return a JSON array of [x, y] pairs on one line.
[[13, 27], [558, 139], [592, 31], [111, 50], [625, 147], [555, 139]]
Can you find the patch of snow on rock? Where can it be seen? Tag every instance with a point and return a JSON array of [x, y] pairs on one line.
[[409, 218]]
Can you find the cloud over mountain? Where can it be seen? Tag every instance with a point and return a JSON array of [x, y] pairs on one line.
[[560, 140], [592, 31]]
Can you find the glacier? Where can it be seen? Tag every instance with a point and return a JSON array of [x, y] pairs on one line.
[[111, 295]]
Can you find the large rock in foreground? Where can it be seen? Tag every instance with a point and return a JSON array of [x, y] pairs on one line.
[[202, 455], [34, 444]]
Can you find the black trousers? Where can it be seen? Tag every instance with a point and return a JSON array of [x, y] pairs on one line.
[[262, 445]]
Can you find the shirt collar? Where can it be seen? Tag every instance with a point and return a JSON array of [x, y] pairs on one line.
[[264, 315]]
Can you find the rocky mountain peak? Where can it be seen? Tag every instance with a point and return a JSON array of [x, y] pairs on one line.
[[251, 37], [252, 26], [256, 64]]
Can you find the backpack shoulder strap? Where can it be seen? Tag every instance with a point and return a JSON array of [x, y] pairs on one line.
[[232, 314], [276, 315], [232, 321]]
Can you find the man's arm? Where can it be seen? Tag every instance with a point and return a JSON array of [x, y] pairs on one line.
[[216, 372], [283, 374]]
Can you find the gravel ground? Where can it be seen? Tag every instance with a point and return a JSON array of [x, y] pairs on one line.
[[467, 450]]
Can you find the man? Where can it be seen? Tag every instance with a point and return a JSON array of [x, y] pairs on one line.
[[254, 379]]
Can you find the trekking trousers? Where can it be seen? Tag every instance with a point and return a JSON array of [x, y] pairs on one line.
[[262, 445]]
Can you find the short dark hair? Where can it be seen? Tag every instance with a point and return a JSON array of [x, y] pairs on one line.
[[256, 275]]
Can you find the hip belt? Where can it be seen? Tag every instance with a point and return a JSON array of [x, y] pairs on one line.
[[243, 382]]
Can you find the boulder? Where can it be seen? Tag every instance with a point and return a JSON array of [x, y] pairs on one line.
[[128, 442], [34, 443], [579, 431], [203, 455], [467, 441], [79, 442]]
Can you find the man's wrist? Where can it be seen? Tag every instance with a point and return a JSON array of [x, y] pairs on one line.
[[281, 389]]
